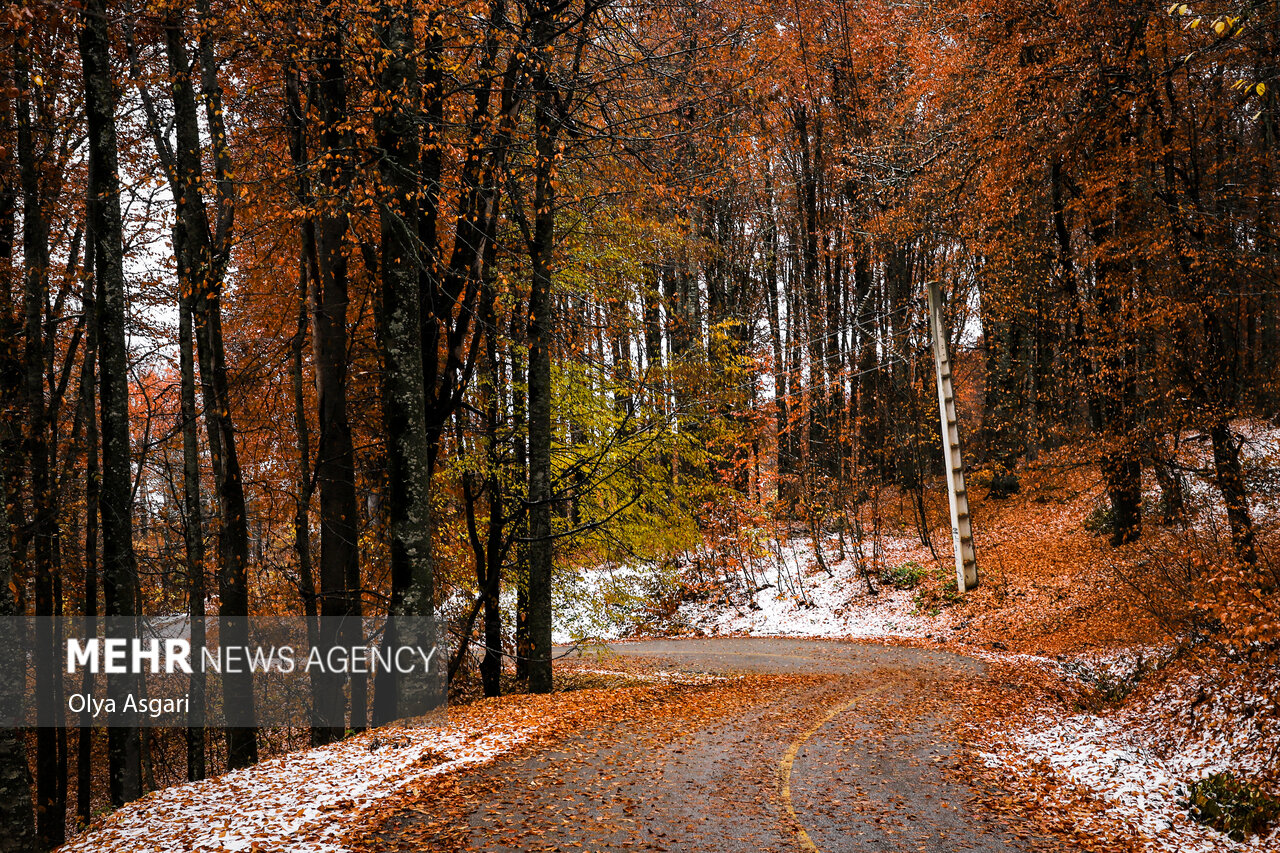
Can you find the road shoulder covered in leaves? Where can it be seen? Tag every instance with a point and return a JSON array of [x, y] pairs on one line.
[[310, 800]]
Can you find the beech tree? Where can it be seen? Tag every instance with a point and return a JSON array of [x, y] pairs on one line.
[[411, 611], [17, 816], [119, 568]]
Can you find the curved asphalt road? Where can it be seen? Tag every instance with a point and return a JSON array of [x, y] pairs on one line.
[[844, 750]]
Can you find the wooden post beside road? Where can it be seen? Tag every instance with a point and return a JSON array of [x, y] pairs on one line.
[[961, 527]]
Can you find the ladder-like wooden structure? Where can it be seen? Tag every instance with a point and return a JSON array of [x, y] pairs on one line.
[[961, 526]]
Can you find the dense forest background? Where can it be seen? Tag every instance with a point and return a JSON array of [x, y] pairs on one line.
[[365, 309]]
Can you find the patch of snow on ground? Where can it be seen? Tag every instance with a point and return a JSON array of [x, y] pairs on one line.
[[1140, 763], [1094, 669], [602, 603], [304, 801], [788, 595], [794, 597]]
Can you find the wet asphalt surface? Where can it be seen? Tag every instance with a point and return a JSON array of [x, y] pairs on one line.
[[840, 748]]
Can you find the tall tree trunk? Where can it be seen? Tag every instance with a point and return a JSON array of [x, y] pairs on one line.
[[119, 569], [50, 809], [1230, 482], [772, 300], [193, 537], [650, 302], [1121, 465], [89, 399], [308, 274], [865, 378], [410, 620], [202, 260], [814, 447], [302, 476], [490, 576], [335, 463], [541, 246], [449, 293], [519, 421], [17, 818], [233, 592], [1217, 388]]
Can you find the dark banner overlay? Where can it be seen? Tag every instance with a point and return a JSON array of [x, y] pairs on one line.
[[156, 671]]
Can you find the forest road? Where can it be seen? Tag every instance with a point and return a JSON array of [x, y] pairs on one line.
[[821, 746]]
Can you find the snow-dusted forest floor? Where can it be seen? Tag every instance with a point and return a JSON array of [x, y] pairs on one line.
[[312, 800], [1124, 770], [784, 593], [303, 801], [1130, 717], [1130, 763], [1109, 722]]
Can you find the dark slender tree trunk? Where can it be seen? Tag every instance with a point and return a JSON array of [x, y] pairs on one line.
[[491, 663], [519, 421], [490, 571], [449, 292], [541, 324], [193, 537], [335, 463], [201, 262], [233, 583], [119, 569], [1121, 461], [302, 476], [1230, 482], [50, 809], [864, 385], [308, 274], [89, 397], [815, 441], [1218, 386], [17, 818], [410, 620], [785, 463], [233, 592]]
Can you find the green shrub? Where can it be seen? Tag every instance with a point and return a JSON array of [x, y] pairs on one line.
[[906, 576], [1234, 807], [939, 591]]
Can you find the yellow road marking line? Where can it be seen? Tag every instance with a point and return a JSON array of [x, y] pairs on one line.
[[803, 841]]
